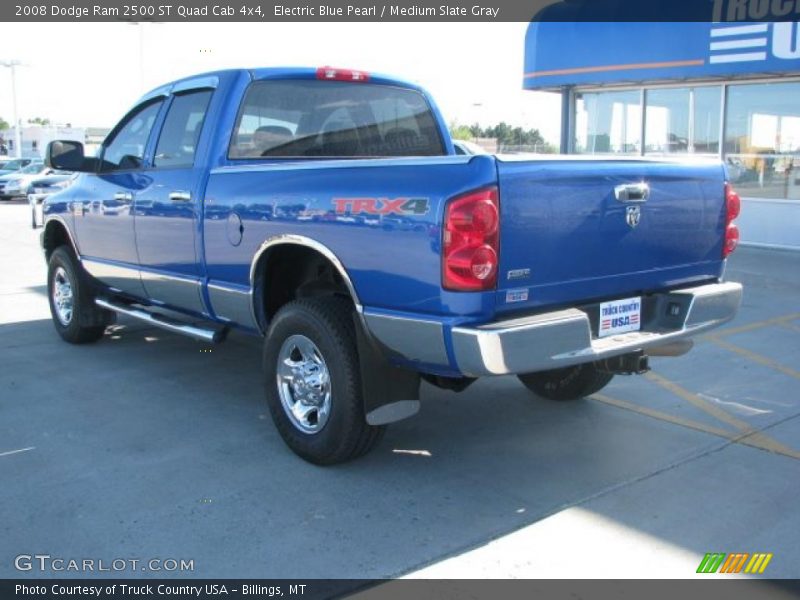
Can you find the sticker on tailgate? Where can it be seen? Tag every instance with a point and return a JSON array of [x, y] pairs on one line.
[[619, 316]]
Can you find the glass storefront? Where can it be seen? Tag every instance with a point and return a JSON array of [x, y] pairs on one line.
[[762, 139], [609, 122], [667, 121], [761, 130]]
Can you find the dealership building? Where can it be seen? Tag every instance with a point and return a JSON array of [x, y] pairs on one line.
[[730, 90]]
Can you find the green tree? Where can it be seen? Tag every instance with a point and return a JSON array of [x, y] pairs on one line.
[[505, 134], [460, 132], [39, 121], [4, 124]]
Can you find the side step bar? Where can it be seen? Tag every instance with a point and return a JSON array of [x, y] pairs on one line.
[[211, 336]]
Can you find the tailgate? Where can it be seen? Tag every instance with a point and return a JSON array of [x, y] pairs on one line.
[[582, 230]]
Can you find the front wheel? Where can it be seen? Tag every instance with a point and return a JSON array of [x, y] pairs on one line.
[[568, 383], [75, 316], [313, 383]]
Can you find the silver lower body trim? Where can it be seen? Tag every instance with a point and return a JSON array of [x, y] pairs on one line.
[[182, 292], [413, 339], [564, 338], [117, 277], [232, 305]]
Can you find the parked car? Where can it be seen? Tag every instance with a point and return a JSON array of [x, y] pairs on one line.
[[468, 148], [16, 185], [13, 165], [563, 272], [45, 187]]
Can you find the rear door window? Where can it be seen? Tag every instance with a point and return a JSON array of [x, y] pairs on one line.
[[177, 143], [331, 119]]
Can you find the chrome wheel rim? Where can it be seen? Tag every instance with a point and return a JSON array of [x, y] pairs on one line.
[[304, 384], [62, 296]]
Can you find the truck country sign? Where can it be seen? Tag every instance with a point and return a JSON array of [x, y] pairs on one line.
[[559, 54]]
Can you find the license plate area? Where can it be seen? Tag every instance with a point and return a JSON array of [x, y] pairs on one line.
[[619, 316]]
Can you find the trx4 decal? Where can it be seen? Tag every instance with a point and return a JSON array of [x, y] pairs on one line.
[[381, 206]]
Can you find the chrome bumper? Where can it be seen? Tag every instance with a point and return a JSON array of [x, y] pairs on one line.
[[564, 338]]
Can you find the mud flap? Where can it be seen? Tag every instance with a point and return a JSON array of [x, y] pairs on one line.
[[390, 393]]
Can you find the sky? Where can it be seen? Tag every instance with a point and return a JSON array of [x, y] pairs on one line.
[[90, 74]]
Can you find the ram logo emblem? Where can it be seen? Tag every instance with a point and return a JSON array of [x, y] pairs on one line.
[[633, 214]]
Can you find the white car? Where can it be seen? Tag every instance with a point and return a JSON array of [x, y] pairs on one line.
[[16, 185], [43, 187], [13, 165]]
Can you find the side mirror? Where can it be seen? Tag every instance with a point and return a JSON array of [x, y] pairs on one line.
[[65, 155]]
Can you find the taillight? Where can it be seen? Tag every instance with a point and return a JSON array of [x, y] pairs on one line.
[[334, 74], [733, 206], [470, 245]]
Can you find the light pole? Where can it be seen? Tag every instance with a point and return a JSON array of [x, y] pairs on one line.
[[13, 64], [477, 106], [140, 25]]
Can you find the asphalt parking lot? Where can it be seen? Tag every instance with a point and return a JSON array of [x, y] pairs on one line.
[[151, 445]]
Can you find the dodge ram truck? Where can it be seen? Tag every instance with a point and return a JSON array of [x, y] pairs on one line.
[[327, 211]]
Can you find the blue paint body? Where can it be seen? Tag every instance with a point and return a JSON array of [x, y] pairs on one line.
[[559, 220]]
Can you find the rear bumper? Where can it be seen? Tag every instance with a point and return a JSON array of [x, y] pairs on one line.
[[564, 338]]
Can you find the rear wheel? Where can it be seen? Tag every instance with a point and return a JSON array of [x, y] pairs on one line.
[[70, 292], [313, 383], [569, 383]]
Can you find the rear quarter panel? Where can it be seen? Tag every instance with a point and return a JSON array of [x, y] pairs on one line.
[[393, 260]]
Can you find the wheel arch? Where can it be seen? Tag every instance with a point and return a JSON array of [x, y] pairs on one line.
[[307, 267], [56, 233]]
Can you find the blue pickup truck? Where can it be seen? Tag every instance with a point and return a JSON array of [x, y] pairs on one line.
[[327, 211]]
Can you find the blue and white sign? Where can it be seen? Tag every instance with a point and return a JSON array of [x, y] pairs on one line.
[[576, 53]]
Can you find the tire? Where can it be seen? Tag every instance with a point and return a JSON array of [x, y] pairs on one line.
[[569, 383], [84, 322], [320, 418]]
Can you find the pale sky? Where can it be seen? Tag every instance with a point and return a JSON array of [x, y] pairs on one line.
[[88, 74]]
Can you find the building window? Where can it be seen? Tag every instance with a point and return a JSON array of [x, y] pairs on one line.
[[667, 121], [762, 139], [608, 122], [682, 120], [705, 124]]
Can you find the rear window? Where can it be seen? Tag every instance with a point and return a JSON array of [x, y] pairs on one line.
[[335, 120]]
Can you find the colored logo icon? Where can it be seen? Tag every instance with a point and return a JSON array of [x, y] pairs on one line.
[[714, 562]]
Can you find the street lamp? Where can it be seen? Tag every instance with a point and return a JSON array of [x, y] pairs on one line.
[[140, 25], [477, 106], [13, 64]]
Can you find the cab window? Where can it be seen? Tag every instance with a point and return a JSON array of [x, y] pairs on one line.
[[180, 135], [125, 151], [332, 119]]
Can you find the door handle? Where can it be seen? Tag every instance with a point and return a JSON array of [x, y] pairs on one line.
[[632, 192], [180, 196], [123, 196]]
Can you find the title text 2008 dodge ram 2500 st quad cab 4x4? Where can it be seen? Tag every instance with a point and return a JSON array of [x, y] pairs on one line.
[[326, 210]]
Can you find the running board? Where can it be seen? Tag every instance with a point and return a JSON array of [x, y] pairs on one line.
[[211, 336]]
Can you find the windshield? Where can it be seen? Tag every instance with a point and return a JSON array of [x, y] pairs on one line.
[[12, 165], [32, 169], [334, 119]]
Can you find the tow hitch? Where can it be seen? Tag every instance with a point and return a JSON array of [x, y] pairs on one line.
[[633, 363]]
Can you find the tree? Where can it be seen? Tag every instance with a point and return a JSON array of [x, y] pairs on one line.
[[505, 134], [4, 124], [460, 132], [39, 121]]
